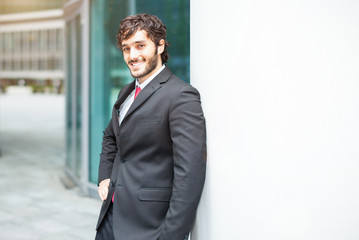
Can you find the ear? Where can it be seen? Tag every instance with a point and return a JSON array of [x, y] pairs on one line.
[[161, 47]]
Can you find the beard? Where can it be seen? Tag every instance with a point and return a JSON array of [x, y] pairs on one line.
[[151, 64]]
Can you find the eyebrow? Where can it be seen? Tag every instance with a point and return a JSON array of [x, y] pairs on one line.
[[136, 42]]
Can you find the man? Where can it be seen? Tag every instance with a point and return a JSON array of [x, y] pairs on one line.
[[153, 159]]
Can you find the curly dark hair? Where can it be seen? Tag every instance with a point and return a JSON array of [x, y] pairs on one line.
[[154, 27]]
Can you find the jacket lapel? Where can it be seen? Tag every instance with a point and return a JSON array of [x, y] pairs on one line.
[[125, 91], [150, 89]]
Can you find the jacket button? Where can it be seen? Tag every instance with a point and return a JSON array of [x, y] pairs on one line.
[[123, 160]]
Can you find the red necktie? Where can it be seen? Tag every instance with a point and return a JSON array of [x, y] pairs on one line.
[[138, 90]]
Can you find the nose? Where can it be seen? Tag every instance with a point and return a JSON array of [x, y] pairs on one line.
[[134, 54]]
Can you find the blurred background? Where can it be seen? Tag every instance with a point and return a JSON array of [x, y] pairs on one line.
[[68, 48], [32, 46], [60, 73], [279, 84]]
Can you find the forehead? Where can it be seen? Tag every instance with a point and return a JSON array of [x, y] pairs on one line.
[[138, 36]]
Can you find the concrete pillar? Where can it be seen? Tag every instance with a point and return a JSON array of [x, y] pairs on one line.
[[280, 89]]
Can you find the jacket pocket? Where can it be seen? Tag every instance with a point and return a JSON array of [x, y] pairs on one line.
[[155, 194], [149, 119]]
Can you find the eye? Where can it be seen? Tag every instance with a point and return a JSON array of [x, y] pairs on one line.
[[141, 46], [126, 49]]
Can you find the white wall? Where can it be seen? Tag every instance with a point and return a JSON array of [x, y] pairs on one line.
[[283, 147]]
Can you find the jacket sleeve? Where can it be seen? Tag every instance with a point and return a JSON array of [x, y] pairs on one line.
[[188, 133], [108, 153]]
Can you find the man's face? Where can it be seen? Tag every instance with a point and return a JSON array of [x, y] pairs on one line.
[[141, 55]]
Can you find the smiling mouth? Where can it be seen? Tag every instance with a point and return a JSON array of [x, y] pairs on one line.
[[135, 64]]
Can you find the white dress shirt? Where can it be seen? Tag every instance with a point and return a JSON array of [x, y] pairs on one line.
[[131, 97]]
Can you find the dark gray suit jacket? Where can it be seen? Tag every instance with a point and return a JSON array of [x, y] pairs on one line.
[[156, 161]]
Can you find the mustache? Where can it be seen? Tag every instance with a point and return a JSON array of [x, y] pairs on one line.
[[137, 60]]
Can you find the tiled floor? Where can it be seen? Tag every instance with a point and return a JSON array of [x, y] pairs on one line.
[[33, 202]]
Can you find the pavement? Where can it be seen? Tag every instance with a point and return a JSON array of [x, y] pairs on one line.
[[34, 204]]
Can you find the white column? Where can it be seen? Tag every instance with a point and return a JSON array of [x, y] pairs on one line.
[[283, 154], [85, 28]]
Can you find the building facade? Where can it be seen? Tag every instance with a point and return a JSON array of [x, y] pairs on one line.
[[31, 46]]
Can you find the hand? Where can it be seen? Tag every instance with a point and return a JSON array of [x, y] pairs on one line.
[[103, 189]]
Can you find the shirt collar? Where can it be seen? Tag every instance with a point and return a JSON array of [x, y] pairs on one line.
[[148, 80]]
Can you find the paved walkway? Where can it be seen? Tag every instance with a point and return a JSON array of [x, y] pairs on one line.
[[33, 202]]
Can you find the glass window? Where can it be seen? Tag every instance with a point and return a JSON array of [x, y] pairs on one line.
[[69, 100], [34, 64], [8, 64], [17, 42], [58, 39], [108, 70], [78, 95], [52, 40], [74, 98], [34, 41], [11, 42], [2, 43], [25, 42], [43, 41]]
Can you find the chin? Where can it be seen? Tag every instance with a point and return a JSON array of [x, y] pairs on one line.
[[136, 75]]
